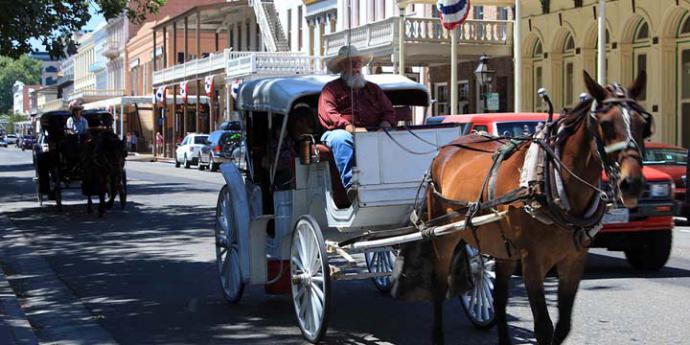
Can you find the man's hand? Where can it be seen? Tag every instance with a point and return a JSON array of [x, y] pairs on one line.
[[350, 128]]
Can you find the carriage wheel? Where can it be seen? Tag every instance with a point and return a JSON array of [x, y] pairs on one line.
[[123, 190], [478, 302], [227, 248], [381, 261], [55, 187], [310, 279]]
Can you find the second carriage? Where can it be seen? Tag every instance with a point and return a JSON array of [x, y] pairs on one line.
[[286, 221], [58, 154]]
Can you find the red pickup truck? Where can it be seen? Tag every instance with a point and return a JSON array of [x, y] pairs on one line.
[[644, 233]]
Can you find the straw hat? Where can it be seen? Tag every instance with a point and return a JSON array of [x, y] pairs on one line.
[[75, 105], [346, 52]]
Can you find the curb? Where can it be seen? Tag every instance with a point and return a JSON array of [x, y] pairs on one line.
[[14, 327]]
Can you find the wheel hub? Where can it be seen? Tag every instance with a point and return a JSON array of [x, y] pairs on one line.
[[304, 279], [222, 242]]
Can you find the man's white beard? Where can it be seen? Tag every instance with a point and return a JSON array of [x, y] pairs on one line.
[[354, 81]]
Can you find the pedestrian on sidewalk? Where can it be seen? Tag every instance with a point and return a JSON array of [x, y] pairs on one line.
[[159, 143], [129, 141], [133, 141]]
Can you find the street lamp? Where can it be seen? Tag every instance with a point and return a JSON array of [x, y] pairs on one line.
[[484, 77]]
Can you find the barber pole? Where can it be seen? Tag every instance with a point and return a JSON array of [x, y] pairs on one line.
[[208, 85], [160, 96], [183, 91]]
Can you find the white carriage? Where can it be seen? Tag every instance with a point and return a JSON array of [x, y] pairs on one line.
[[279, 220]]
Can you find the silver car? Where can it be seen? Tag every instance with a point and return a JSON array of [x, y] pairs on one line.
[[188, 151]]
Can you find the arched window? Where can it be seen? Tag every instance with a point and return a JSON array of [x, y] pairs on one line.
[[51, 69], [538, 74], [641, 46], [569, 71], [685, 27]]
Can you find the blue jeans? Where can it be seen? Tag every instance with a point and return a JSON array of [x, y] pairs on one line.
[[340, 143]]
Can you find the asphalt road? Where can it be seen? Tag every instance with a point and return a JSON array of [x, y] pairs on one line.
[[146, 275]]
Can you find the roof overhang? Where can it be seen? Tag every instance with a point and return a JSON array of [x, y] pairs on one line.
[[210, 16]]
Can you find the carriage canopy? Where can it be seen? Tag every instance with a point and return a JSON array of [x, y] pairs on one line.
[[278, 95]]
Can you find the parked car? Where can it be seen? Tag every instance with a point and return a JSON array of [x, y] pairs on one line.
[[28, 142], [11, 139], [221, 147], [3, 143], [644, 233], [230, 126], [672, 160], [188, 151]]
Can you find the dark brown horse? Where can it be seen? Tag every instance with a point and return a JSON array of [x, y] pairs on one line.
[[614, 129], [102, 164]]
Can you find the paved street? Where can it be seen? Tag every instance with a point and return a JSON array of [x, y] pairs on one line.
[[146, 275]]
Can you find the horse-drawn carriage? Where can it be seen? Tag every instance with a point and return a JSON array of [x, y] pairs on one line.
[[96, 158], [287, 222]]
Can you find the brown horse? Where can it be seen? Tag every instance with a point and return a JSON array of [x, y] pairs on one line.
[[614, 128]]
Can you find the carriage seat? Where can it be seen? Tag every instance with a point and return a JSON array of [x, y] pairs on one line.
[[339, 194]]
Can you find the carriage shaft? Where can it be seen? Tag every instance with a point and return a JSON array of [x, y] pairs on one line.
[[437, 231]]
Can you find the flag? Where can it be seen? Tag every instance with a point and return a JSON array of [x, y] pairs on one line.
[[160, 96], [183, 91], [235, 88], [453, 12], [208, 85]]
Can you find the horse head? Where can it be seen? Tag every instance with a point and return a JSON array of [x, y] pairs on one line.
[[619, 125]]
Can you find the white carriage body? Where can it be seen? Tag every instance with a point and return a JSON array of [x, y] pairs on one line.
[[389, 168]]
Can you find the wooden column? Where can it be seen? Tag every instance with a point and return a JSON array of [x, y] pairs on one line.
[[198, 56]]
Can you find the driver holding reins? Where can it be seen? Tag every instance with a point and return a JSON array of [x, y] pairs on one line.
[[342, 115], [76, 124]]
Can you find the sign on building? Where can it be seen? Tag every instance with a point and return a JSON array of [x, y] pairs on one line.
[[492, 103]]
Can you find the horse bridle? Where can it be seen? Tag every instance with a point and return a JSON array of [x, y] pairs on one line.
[[627, 104]]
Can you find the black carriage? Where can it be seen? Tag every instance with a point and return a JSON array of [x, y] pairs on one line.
[[58, 154]]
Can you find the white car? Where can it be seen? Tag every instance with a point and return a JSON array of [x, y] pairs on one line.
[[11, 139], [188, 151]]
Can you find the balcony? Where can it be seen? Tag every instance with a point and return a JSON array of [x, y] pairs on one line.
[[425, 39], [54, 105], [91, 95], [248, 64], [111, 50], [240, 65]]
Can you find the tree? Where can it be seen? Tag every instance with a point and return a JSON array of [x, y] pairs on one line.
[[24, 69], [53, 21]]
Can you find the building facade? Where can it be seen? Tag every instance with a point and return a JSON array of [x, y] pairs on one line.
[[49, 67], [560, 40]]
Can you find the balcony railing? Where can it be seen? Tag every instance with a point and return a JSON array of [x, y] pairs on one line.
[[56, 104], [96, 93], [241, 64], [384, 34]]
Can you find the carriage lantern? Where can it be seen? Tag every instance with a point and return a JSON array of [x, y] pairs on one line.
[[484, 77]]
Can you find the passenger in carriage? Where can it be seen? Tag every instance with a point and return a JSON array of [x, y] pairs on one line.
[[300, 122], [76, 124], [342, 115]]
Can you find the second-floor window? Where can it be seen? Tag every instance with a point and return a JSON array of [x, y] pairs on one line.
[[299, 28], [478, 12]]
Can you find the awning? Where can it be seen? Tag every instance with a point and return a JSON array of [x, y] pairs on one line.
[[131, 100]]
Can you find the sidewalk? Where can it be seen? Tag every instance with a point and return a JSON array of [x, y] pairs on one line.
[[148, 157], [14, 327]]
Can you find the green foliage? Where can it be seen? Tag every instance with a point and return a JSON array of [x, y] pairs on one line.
[[24, 69], [52, 22], [10, 120]]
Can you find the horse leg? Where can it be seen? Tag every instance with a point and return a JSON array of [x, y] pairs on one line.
[[101, 198], [437, 328], [504, 269], [89, 204], [569, 276], [533, 274]]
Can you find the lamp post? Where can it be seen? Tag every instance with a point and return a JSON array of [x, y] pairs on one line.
[[484, 77]]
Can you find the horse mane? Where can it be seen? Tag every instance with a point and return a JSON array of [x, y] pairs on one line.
[[568, 123]]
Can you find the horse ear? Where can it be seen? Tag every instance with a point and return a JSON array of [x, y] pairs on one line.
[[638, 87], [595, 90]]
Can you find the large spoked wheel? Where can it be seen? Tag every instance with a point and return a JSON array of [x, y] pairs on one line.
[[381, 261], [123, 190], [310, 279], [227, 248], [478, 302]]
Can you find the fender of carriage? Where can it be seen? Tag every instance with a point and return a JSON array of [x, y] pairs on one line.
[[235, 182]]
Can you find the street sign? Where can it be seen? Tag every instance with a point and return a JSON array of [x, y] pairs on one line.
[[492, 101]]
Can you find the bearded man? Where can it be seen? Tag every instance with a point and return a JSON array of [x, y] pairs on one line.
[[349, 104]]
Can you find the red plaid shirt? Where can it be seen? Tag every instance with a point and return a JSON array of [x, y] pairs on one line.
[[371, 106]]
